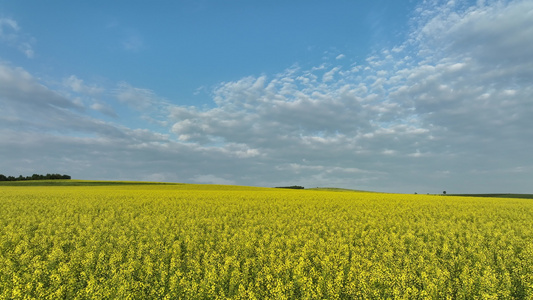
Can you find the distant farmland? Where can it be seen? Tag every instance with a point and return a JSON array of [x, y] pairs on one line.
[[523, 196]]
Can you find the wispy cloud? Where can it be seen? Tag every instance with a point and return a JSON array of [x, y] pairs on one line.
[[79, 86], [145, 102], [11, 34], [137, 98], [104, 109], [128, 38], [88, 95], [133, 42]]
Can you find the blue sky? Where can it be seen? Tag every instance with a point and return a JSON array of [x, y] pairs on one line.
[[399, 96], [181, 46]]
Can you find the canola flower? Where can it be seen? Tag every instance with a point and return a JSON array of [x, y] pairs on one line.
[[224, 242]]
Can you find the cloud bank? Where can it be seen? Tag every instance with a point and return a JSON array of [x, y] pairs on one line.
[[448, 109]]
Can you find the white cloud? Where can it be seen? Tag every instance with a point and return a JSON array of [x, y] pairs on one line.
[[137, 98], [398, 109], [77, 85], [87, 95], [104, 109], [328, 76], [29, 105], [20, 88], [11, 34], [7, 27]]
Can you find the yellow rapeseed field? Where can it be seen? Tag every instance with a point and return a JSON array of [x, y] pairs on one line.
[[227, 242]]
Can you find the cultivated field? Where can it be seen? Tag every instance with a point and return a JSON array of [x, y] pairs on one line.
[[227, 242]]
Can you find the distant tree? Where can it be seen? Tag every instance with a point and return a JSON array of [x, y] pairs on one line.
[[444, 192], [33, 177], [296, 187]]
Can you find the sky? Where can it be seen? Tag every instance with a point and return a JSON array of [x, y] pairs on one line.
[[393, 96]]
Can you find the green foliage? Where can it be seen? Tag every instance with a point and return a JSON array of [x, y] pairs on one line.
[[294, 187], [221, 242], [34, 177]]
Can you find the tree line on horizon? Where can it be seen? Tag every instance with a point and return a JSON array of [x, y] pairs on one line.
[[34, 177], [296, 187]]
